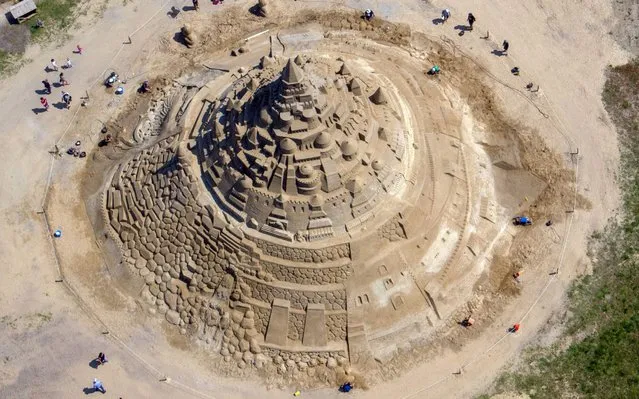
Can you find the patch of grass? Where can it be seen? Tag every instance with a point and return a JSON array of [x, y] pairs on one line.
[[4, 60], [45, 317], [602, 358], [8, 321], [27, 321], [10, 63], [57, 16]]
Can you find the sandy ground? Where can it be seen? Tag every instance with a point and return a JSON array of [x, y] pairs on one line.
[[49, 339]]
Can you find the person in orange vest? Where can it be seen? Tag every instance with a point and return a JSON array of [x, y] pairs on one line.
[[514, 328]]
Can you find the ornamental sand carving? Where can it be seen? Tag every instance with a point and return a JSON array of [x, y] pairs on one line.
[[307, 211], [301, 154]]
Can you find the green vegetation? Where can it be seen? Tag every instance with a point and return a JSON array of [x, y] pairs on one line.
[[27, 321], [10, 62], [4, 60], [599, 355], [57, 16]]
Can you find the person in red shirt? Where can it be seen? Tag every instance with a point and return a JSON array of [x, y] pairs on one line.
[[44, 103]]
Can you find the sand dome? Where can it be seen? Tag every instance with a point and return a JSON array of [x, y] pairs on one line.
[[323, 140], [349, 148], [288, 146]]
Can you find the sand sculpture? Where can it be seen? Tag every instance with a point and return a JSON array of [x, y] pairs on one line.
[[298, 219], [318, 146]]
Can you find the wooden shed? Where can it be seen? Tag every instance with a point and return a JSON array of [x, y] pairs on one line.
[[23, 10]]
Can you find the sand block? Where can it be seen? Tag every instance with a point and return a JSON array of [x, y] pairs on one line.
[[453, 169], [475, 244], [277, 331], [488, 209], [315, 325]]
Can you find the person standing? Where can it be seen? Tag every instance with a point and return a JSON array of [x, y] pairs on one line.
[[368, 14], [97, 385], [471, 20], [196, 5], [78, 49], [53, 66], [44, 103], [145, 87], [47, 86], [505, 45], [68, 64], [63, 81], [468, 322], [445, 15], [66, 99], [101, 359], [346, 387]]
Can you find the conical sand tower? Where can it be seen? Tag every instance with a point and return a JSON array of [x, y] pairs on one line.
[[297, 138]]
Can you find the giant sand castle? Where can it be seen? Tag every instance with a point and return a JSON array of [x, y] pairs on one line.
[[316, 209]]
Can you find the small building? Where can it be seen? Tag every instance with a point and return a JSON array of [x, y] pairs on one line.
[[23, 10]]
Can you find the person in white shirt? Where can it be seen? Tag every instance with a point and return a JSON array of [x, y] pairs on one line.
[[445, 14]]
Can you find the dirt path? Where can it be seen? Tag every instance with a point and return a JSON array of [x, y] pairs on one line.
[[563, 48]]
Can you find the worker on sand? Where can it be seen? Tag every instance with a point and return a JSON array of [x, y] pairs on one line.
[[47, 86], [434, 70], [145, 88], [346, 387], [471, 20], [44, 103], [97, 385], [468, 322], [101, 359], [505, 45], [514, 328], [63, 81], [368, 14], [66, 99], [445, 15]]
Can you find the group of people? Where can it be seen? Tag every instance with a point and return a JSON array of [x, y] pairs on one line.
[[62, 81], [470, 18], [471, 21], [97, 384]]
